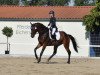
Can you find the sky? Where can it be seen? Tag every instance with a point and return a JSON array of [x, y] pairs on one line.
[[71, 3]]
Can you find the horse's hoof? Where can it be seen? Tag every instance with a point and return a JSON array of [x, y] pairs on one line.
[[38, 61], [68, 62]]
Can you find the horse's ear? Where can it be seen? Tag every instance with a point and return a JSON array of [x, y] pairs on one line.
[[30, 23]]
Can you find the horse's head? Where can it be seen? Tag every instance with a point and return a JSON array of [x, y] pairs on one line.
[[33, 29], [38, 27]]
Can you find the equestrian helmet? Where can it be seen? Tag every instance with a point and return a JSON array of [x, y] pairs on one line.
[[51, 12]]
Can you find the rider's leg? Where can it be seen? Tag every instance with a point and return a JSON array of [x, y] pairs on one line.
[[50, 34], [53, 31]]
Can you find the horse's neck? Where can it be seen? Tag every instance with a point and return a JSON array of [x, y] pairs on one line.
[[42, 36], [42, 29], [42, 32]]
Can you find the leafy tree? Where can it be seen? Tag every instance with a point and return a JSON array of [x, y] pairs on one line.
[[92, 21], [9, 2], [50, 2], [58, 2], [35, 2], [7, 31], [42, 2], [84, 2], [15, 2]]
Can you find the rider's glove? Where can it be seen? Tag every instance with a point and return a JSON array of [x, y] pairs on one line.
[[49, 26]]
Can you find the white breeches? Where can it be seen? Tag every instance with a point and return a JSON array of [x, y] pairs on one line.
[[50, 34], [53, 31]]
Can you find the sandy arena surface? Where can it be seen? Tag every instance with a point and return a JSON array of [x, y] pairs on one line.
[[57, 66]]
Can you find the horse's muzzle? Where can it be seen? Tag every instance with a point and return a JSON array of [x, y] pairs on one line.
[[32, 36]]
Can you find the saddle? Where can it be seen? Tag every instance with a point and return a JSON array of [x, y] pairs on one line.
[[56, 35]]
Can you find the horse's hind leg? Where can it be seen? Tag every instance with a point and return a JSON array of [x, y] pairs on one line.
[[55, 51], [38, 46], [68, 51], [69, 54]]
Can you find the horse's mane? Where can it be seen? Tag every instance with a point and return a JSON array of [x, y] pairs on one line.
[[40, 25]]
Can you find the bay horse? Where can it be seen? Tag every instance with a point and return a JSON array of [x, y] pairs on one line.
[[44, 41]]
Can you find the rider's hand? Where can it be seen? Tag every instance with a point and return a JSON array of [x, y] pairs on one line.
[[49, 26]]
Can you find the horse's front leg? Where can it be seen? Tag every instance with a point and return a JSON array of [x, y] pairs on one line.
[[55, 51], [38, 46], [41, 53]]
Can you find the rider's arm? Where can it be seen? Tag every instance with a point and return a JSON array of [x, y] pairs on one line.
[[49, 25]]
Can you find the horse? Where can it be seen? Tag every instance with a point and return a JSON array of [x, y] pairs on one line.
[[44, 41]]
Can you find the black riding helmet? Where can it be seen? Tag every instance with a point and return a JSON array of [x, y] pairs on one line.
[[52, 12]]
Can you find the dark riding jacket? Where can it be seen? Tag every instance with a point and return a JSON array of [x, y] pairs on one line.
[[53, 22]]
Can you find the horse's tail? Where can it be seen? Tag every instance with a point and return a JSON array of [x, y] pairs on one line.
[[74, 42]]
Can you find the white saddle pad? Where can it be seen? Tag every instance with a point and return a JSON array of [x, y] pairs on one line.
[[57, 35]]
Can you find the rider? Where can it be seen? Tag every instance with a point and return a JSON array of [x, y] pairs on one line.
[[52, 24]]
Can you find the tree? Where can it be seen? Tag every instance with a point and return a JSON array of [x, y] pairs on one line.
[[58, 2], [50, 2], [92, 21], [84, 2], [8, 32], [9, 2]]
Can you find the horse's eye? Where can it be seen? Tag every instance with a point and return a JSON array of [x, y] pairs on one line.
[[34, 28]]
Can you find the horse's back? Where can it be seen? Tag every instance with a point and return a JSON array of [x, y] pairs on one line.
[[63, 34]]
